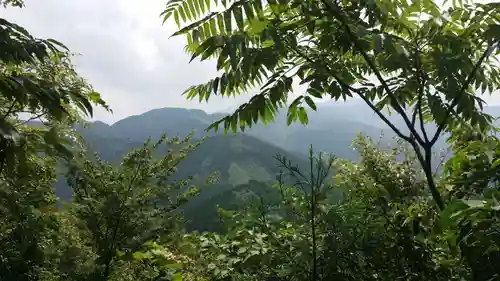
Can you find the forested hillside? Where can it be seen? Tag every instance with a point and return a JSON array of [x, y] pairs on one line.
[[145, 199], [238, 162]]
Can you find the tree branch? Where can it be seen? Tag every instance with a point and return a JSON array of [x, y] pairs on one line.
[[371, 64], [425, 161], [421, 119], [421, 88], [360, 93], [112, 246], [414, 116], [9, 111], [457, 98], [38, 116]]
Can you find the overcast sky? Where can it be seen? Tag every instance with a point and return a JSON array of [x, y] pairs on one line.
[[126, 52]]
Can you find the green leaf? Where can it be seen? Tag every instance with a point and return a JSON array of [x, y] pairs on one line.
[[445, 217], [247, 7], [176, 18], [242, 250], [303, 116], [475, 203], [220, 22], [238, 16], [213, 27], [182, 14], [310, 102], [177, 277], [187, 11], [228, 21]]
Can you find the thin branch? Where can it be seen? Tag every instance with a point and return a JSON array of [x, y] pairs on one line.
[[461, 93], [420, 80], [443, 158], [421, 87], [38, 116], [314, 187], [425, 161], [371, 64], [9, 111], [357, 91], [382, 116], [414, 116], [421, 119], [112, 246], [293, 170]]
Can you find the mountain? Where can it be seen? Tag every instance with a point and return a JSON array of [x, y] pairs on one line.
[[137, 128], [331, 129], [244, 162], [236, 158]]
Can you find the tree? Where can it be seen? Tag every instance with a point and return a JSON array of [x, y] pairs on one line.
[[125, 206], [27, 221], [424, 61], [471, 221], [42, 96], [373, 221], [38, 83]]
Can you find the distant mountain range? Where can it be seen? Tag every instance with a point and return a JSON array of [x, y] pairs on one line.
[[245, 161], [330, 129]]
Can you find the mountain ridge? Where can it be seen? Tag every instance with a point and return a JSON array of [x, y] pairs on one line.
[[244, 160]]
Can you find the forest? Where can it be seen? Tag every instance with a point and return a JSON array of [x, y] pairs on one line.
[[87, 201]]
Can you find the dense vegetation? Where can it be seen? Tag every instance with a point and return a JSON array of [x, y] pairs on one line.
[[384, 217]]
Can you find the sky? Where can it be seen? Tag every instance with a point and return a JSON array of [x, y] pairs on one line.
[[125, 52]]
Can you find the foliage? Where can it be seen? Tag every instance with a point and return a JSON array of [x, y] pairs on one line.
[[426, 62], [69, 256], [123, 207], [396, 215], [395, 55], [368, 224], [38, 77], [14, 3], [38, 82], [474, 166], [471, 221], [20, 110], [167, 264], [373, 220], [26, 217]]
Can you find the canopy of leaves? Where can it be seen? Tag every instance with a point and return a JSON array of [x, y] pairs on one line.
[[124, 207], [38, 82], [418, 53], [380, 228], [340, 220]]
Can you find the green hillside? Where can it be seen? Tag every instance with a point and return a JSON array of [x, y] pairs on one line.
[[240, 162], [243, 163], [331, 129]]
